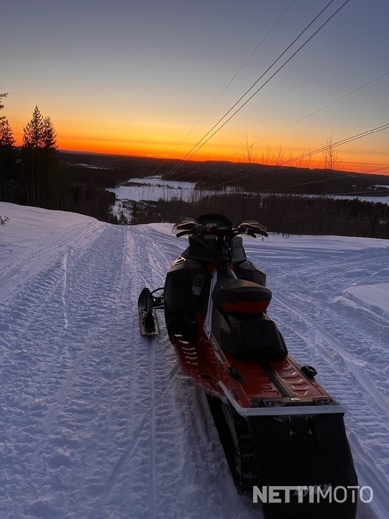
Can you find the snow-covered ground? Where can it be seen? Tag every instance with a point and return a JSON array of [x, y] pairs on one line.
[[97, 422], [154, 188]]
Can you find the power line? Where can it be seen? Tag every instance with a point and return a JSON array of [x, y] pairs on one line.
[[339, 143], [319, 150], [228, 84], [324, 107], [209, 134], [267, 81]]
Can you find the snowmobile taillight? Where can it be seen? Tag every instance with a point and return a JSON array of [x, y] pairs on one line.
[[245, 307], [262, 402], [325, 401]]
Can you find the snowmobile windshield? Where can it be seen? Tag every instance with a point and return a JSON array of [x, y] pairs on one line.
[[211, 222], [214, 221]]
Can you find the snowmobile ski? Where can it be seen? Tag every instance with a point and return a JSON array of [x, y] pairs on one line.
[[147, 305]]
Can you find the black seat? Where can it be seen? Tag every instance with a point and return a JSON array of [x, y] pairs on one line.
[[240, 296]]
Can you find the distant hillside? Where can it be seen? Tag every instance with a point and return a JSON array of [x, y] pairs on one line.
[[111, 170], [264, 193]]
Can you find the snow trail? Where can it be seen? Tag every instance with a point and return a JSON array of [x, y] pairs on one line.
[[98, 422], [346, 343]]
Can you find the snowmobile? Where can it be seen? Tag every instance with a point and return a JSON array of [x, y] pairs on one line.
[[282, 433]]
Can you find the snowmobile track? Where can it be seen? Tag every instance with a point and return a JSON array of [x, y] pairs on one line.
[[78, 437]]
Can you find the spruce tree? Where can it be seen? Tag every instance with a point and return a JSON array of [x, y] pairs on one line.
[[39, 157], [11, 189], [1, 105], [6, 135], [33, 131], [49, 136], [52, 187]]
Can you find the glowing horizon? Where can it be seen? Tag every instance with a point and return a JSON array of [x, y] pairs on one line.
[[235, 152], [136, 78]]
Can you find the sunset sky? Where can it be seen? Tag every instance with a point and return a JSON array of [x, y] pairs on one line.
[[153, 77]]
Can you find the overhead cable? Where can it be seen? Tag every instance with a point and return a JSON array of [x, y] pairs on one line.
[[324, 107], [228, 84], [215, 129], [339, 143], [319, 150]]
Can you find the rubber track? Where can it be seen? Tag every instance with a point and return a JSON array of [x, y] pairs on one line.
[[239, 451]]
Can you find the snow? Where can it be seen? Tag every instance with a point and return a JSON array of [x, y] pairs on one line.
[[372, 297], [154, 188], [99, 422], [377, 199]]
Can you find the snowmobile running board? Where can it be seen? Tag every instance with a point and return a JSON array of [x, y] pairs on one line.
[[147, 305], [277, 410]]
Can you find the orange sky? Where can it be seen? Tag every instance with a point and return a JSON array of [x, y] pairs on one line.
[[139, 78], [109, 139]]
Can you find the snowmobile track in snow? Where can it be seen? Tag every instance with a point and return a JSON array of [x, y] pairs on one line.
[[98, 422]]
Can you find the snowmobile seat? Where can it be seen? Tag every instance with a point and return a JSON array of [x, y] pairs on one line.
[[240, 296]]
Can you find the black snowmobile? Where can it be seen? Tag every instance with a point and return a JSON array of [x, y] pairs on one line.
[[283, 434]]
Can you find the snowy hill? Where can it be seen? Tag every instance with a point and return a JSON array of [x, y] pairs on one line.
[[99, 423]]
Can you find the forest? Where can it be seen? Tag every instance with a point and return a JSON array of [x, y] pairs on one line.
[[288, 200]]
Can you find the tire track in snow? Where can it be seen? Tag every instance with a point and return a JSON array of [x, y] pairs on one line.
[[339, 346], [56, 396], [178, 473], [96, 423], [152, 432], [65, 288], [88, 416], [30, 261]]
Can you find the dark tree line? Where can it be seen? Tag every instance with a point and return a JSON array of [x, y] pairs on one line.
[[33, 173], [36, 173], [283, 214], [11, 188], [29, 174]]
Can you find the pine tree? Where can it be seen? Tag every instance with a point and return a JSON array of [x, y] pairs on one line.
[[6, 135], [11, 188], [49, 136], [1, 105], [39, 154], [33, 131], [50, 164]]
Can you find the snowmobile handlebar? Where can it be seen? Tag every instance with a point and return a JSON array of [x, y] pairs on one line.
[[193, 227], [252, 228]]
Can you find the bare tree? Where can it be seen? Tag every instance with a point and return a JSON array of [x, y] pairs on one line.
[[330, 155], [279, 156], [250, 151], [267, 155]]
